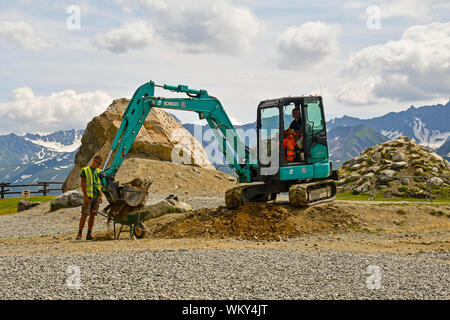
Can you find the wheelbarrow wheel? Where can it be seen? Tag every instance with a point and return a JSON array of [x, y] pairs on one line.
[[140, 230]]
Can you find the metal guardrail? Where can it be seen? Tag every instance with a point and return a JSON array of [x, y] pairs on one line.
[[43, 184]]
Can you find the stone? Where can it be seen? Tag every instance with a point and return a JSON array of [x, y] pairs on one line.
[[398, 156], [373, 169], [386, 175], [376, 157], [183, 206], [355, 167], [76, 199], [436, 156], [364, 187], [369, 175], [358, 159], [436, 181], [157, 209], [435, 169], [398, 165], [25, 205], [68, 199]]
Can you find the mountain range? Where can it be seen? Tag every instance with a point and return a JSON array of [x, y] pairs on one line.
[[349, 136], [31, 158], [50, 157]]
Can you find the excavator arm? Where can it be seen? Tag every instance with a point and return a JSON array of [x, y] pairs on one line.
[[207, 107]]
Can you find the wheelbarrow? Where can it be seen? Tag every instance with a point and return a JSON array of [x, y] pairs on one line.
[[133, 220]]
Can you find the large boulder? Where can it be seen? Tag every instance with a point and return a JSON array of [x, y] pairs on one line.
[[68, 199], [158, 208], [157, 138]]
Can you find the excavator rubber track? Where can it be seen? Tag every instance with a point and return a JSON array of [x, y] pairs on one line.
[[307, 194], [255, 192]]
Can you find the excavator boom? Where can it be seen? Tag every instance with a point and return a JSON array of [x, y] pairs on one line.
[[237, 154]]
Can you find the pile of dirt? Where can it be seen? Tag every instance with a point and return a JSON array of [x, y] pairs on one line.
[[397, 167], [157, 138], [171, 178], [256, 221]]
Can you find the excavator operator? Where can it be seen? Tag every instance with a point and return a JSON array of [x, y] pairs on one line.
[[293, 137]]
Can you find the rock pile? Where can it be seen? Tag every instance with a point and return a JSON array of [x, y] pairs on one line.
[[398, 167]]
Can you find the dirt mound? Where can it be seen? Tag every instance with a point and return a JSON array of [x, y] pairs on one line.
[[257, 221]]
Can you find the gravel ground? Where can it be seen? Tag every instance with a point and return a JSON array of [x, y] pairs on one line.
[[226, 274], [39, 221]]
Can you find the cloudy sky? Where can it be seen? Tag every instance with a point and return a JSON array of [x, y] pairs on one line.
[[63, 62]]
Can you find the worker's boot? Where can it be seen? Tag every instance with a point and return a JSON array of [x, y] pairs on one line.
[[79, 236], [89, 236]]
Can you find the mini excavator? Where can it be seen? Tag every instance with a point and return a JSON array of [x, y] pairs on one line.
[[302, 168]]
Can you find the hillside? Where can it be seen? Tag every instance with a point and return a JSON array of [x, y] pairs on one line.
[[385, 164]]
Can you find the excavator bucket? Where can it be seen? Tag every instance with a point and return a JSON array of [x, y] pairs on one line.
[[134, 196], [132, 193]]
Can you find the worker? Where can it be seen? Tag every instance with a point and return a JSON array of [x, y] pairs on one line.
[[293, 136], [92, 191], [296, 124]]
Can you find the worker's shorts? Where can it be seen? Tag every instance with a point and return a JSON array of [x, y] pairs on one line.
[[91, 207]]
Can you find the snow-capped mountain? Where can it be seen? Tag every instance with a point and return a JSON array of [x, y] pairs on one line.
[[34, 157], [429, 125]]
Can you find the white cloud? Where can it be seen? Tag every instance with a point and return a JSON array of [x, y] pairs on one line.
[[130, 35], [421, 10], [308, 44], [22, 34], [203, 25], [416, 67], [25, 112]]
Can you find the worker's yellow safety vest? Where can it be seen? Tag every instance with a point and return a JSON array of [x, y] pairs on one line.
[[90, 181]]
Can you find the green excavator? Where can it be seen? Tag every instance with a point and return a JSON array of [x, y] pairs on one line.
[[265, 170]]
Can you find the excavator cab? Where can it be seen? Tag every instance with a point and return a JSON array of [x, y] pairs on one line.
[[293, 128]]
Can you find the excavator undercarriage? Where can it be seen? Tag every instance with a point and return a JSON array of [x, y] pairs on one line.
[[300, 194]]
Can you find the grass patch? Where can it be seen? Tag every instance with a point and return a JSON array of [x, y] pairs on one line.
[[439, 213], [9, 205], [401, 211]]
